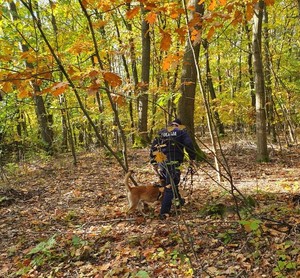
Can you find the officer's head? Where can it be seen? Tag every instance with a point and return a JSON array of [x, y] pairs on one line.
[[176, 122]]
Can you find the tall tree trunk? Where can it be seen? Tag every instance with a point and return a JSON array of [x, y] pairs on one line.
[[66, 128], [261, 133], [44, 119], [209, 81], [143, 97], [186, 104], [268, 87], [134, 73], [250, 64]]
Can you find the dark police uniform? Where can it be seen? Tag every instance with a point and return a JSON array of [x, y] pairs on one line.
[[171, 142]]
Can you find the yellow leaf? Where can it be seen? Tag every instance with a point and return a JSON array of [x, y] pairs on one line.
[[159, 156]]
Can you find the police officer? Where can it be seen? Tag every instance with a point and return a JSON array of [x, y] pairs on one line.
[[166, 155]]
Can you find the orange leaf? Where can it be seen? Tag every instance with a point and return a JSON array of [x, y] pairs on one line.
[[132, 13], [170, 61], [212, 5], [151, 17], [7, 87], [210, 32], [196, 36], [59, 88], [93, 88], [120, 100], [93, 73], [269, 2], [24, 93], [165, 41], [99, 23], [113, 79], [223, 2], [181, 33], [176, 12], [249, 11], [28, 56], [237, 17]]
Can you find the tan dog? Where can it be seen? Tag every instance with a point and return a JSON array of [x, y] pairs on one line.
[[136, 195]]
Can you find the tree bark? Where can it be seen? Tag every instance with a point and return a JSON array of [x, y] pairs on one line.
[[209, 81], [44, 119], [143, 97], [268, 87], [259, 84], [186, 104]]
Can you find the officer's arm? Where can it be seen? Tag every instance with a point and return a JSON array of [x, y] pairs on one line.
[[189, 146]]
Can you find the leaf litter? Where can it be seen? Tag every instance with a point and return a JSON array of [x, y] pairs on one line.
[[61, 220]]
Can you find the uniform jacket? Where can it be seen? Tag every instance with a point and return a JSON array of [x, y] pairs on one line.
[[172, 143]]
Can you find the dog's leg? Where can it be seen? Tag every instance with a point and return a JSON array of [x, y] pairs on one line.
[[141, 208], [133, 203]]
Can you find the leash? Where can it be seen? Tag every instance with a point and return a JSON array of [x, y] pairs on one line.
[[190, 172]]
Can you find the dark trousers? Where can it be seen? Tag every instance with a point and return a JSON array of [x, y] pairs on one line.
[[170, 176]]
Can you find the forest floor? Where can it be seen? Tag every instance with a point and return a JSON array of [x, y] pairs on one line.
[[61, 220]]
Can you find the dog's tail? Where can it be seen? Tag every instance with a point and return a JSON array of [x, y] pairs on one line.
[[126, 180]]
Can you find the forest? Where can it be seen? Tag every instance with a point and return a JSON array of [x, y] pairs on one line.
[[86, 85]]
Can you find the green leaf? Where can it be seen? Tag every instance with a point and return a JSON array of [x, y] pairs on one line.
[[43, 246], [142, 274]]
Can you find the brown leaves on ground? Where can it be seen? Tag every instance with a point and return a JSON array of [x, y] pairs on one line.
[[58, 220]]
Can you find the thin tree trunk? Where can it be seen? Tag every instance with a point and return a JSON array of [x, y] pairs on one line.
[[143, 97], [44, 119], [219, 124], [250, 65], [268, 87], [261, 133], [134, 74]]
